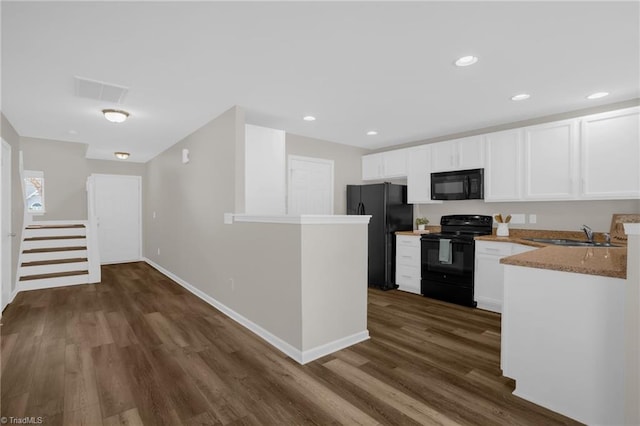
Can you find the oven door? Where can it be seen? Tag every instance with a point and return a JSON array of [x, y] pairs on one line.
[[450, 282]]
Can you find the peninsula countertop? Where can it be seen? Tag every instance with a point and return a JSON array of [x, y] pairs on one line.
[[602, 261]]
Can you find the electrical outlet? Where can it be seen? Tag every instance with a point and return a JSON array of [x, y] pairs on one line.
[[233, 284], [154, 215], [158, 251], [533, 218]]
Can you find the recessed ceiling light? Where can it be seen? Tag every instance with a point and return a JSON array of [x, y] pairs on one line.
[[465, 61], [598, 95], [372, 133], [309, 118], [115, 115], [520, 97], [73, 132], [120, 155]]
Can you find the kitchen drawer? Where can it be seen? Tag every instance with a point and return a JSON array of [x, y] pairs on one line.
[[408, 241], [493, 248], [408, 256], [408, 278], [405, 273], [411, 286]]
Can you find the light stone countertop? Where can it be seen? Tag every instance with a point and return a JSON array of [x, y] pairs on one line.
[[602, 261]]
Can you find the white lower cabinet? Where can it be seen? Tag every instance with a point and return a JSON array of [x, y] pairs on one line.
[[408, 263], [489, 272]]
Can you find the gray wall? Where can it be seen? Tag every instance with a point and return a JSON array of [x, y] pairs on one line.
[[255, 269], [251, 268], [347, 163], [334, 299], [555, 215], [10, 135], [65, 172]]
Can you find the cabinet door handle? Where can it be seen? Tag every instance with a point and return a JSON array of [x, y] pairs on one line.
[[407, 257], [406, 276]]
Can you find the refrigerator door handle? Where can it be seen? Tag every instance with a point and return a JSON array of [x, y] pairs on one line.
[[361, 209]]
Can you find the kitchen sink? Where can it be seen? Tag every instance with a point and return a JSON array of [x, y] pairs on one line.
[[569, 243]]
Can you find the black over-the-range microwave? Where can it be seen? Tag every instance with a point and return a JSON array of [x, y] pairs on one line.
[[458, 185]]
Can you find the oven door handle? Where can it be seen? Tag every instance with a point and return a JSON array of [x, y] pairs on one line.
[[453, 241]]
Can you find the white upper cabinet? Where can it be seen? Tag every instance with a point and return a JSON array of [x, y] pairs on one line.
[[458, 154], [610, 155], [419, 175], [503, 166], [395, 163], [385, 165], [372, 167], [550, 161]]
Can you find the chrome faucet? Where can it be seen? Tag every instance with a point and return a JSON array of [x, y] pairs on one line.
[[588, 232]]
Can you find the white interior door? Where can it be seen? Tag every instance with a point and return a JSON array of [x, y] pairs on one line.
[[6, 237], [118, 211], [310, 186]]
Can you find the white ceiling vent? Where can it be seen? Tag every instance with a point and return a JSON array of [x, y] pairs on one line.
[[99, 90]]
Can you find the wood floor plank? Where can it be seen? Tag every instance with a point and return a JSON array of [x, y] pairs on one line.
[[84, 416], [80, 389], [112, 380], [126, 418], [409, 406], [46, 393], [139, 349], [151, 397]]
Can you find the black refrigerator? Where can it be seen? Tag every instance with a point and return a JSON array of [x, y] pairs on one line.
[[387, 205]]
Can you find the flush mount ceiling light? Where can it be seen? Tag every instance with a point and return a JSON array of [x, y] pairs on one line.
[[115, 115], [598, 95], [372, 133], [120, 155], [309, 118], [520, 97], [465, 61]]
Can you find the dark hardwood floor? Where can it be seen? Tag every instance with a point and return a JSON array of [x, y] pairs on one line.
[[139, 349]]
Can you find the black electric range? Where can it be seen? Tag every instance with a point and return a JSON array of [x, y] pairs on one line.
[[448, 258]]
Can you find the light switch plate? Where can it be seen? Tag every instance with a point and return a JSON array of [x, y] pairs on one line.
[[533, 218]]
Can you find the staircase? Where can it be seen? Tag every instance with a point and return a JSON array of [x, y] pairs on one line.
[[55, 254]]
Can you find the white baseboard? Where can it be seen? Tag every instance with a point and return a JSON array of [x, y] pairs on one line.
[[489, 304], [331, 347], [301, 357]]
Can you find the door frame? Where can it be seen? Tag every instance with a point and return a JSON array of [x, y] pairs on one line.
[[5, 293], [139, 179], [291, 158]]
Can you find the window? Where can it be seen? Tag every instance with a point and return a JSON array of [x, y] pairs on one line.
[[34, 191]]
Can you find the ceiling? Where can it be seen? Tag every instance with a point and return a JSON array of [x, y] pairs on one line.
[[357, 66]]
